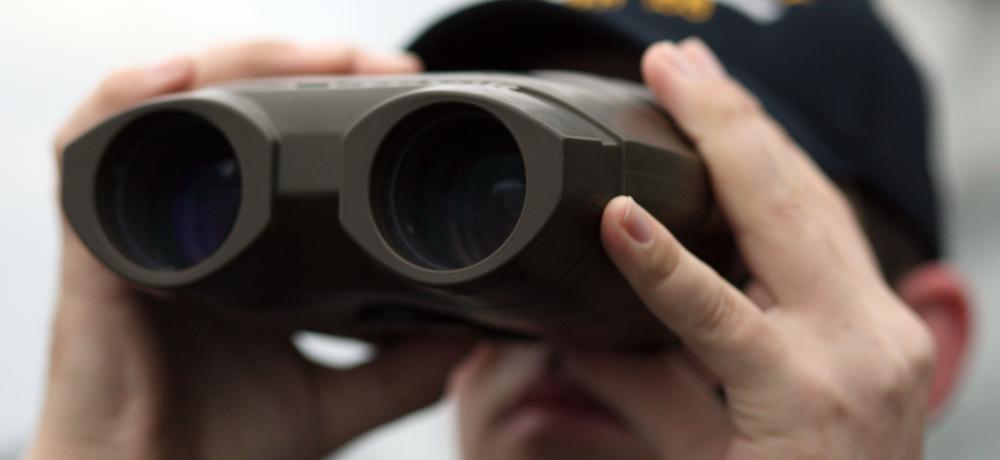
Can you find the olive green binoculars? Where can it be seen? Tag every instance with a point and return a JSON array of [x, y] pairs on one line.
[[367, 206]]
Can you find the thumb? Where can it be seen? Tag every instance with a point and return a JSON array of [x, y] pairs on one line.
[[404, 377]]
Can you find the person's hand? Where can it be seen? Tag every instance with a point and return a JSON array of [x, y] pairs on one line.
[[818, 359], [132, 376]]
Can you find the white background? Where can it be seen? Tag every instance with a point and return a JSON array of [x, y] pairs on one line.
[[52, 52]]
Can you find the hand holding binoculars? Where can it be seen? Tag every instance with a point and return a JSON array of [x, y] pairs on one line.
[[371, 205]]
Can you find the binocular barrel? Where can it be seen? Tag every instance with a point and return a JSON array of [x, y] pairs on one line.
[[367, 206]]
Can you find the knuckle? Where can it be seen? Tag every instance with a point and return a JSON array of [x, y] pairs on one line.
[[745, 135], [896, 385], [916, 350], [761, 337], [262, 55], [783, 205], [719, 317], [741, 136], [795, 216], [922, 355], [266, 47], [822, 398], [732, 103], [716, 313], [892, 379], [116, 89], [893, 389], [351, 59]]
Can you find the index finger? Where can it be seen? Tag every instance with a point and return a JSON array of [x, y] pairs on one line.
[[260, 58], [270, 58]]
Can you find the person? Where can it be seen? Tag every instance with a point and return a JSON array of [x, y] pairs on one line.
[[846, 339]]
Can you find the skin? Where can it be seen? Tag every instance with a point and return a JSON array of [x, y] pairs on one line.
[[819, 358], [137, 377]]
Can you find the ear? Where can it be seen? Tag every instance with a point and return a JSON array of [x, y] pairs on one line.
[[936, 293]]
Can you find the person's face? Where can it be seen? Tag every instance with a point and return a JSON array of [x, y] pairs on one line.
[[538, 401], [522, 401]]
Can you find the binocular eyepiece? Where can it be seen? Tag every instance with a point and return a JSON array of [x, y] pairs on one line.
[[169, 190], [372, 205], [448, 186]]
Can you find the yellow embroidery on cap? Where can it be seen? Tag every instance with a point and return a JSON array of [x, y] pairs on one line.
[[692, 10], [596, 4]]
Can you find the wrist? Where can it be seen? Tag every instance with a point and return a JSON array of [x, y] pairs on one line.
[[47, 450], [88, 417], [70, 446]]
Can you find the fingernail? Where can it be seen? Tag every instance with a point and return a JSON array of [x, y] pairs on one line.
[[678, 61], [635, 220], [169, 69]]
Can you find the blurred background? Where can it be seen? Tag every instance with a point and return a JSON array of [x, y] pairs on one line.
[[53, 52]]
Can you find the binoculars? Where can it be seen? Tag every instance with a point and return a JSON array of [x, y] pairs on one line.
[[372, 206]]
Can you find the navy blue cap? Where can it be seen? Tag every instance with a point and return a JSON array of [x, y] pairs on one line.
[[828, 70]]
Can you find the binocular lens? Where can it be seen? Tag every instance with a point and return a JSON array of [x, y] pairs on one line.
[[451, 187], [170, 190]]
